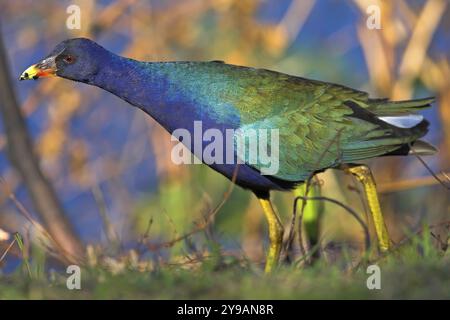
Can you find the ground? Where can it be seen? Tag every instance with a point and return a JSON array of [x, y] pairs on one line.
[[416, 270]]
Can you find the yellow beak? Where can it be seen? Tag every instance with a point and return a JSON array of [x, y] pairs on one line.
[[45, 68]]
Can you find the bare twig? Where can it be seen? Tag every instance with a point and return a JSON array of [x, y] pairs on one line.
[[110, 232], [350, 210], [145, 235], [408, 239], [445, 184], [336, 139], [7, 250], [47, 240], [200, 226]]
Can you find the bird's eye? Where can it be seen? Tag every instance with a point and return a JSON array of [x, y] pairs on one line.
[[69, 59]]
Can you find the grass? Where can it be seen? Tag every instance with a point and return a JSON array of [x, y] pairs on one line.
[[200, 268], [414, 271]]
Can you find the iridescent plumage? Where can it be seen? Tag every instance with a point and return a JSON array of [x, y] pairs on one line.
[[320, 125]]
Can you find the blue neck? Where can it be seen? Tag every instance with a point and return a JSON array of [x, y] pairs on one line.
[[157, 89], [132, 81]]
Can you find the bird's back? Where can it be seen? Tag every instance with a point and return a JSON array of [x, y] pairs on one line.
[[320, 124]]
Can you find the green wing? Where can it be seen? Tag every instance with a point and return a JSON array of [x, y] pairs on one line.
[[317, 127]]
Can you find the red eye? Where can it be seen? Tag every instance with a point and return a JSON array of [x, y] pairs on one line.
[[69, 59]]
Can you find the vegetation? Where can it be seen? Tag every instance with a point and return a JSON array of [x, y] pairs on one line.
[[416, 270], [151, 229]]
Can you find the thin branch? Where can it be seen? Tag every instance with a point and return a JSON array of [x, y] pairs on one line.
[[336, 139], [42, 234], [201, 225], [110, 232], [7, 250], [445, 184], [350, 210], [408, 239]]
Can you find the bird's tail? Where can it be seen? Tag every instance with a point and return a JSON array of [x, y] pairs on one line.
[[383, 107], [422, 148], [402, 115]]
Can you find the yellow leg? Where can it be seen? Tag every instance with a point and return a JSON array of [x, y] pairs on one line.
[[275, 234], [364, 175]]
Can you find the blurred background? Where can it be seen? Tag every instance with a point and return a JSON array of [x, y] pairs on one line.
[[109, 164]]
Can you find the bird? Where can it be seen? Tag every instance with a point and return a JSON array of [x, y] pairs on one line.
[[318, 125]]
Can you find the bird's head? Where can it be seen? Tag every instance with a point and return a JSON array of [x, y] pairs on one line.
[[77, 59]]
